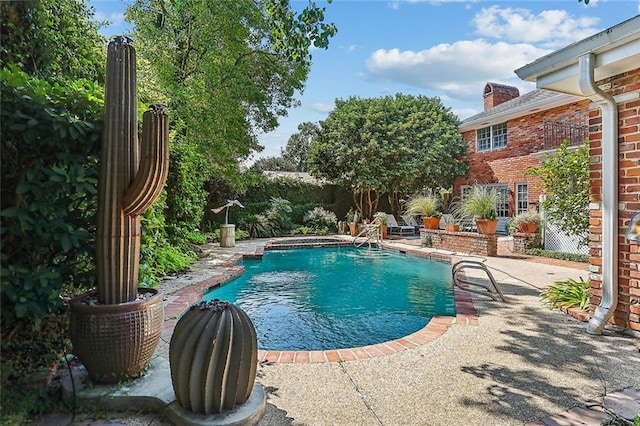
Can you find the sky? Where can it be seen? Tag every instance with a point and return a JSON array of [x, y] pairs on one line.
[[447, 49]]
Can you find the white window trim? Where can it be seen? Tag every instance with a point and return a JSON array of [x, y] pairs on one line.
[[492, 137], [518, 185]]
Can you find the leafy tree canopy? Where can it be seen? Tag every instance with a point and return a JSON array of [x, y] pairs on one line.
[[565, 181], [395, 145], [229, 69], [52, 39], [293, 158]]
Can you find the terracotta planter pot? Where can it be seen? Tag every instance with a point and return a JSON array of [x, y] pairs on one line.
[[486, 226], [452, 227], [353, 229], [529, 227], [115, 342], [431, 222], [383, 231]]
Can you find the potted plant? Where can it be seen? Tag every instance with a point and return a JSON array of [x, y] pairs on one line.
[[352, 220], [450, 223], [480, 204], [527, 222], [116, 329], [381, 219], [427, 207]]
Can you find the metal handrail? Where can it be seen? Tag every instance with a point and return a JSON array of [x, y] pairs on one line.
[[372, 230], [491, 290]]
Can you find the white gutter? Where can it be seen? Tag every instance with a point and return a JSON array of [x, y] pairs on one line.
[[609, 272]]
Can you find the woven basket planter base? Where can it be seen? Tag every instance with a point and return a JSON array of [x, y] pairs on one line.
[[115, 342]]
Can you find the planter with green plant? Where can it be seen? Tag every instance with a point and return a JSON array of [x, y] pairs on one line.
[[381, 218], [527, 222], [479, 204], [352, 220], [116, 329], [450, 223], [427, 207]]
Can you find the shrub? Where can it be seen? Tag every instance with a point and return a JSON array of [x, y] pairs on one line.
[[582, 258], [321, 218], [567, 294], [50, 138]]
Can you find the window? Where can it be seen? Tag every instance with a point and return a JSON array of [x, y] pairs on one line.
[[522, 197], [491, 137], [502, 204]]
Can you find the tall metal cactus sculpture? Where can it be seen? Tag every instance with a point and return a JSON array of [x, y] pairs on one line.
[[131, 176], [116, 337]]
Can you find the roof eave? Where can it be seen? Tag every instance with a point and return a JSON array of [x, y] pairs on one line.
[[517, 112], [617, 50]]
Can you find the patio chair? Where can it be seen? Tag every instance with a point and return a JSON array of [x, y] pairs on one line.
[[395, 229], [411, 221]]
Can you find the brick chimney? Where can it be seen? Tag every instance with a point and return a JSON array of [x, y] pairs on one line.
[[496, 94]]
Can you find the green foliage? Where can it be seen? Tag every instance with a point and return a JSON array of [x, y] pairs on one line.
[[229, 69], [567, 294], [28, 357], [50, 143], [186, 196], [479, 203], [254, 225], [381, 217], [164, 248], [582, 258], [530, 216], [565, 181], [424, 205], [321, 218], [52, 39], [294, 156], [395, 145]]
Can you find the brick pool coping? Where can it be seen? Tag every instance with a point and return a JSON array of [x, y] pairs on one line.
[[466, 314]]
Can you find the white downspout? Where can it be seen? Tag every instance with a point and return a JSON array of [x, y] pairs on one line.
[[609, 112]]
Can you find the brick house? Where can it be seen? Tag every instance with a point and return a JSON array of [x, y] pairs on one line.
[[512, 135], [604, 70]]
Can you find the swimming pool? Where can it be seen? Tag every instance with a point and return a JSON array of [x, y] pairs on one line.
[[339, 297]]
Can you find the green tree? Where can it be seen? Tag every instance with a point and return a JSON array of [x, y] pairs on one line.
[[229, 69], [394, 145], [52, 39], [299, 146], [294, 156], [276, 164], [565, 181]]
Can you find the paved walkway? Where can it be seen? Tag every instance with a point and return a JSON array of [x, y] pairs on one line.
[[500, 363]]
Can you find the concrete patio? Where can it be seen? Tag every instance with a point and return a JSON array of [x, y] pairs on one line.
[[522, 363]]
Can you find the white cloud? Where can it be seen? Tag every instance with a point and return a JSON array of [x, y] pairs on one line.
[[549, 28], [114, 19], [459, 70], [322, 107], [395, 5]]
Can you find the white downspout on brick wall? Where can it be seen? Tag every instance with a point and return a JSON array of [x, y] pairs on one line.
[[609, 207]]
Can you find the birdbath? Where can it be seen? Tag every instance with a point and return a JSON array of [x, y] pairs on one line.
[[227, 231]]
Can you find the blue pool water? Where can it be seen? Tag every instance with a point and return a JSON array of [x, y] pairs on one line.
[[332, 298]]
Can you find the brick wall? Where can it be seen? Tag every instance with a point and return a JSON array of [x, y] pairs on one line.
[[627, 313], [462, 242], [508, 165]]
